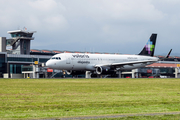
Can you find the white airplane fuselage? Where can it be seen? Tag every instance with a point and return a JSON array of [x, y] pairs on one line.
[[89, 62]]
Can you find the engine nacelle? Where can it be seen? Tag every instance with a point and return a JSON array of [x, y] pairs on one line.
[[104, 70], [74, 72]]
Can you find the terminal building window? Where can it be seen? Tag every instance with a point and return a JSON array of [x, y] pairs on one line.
[[18, 59], [21, 59], [15, 68], [2, 64], [15, 35], [21, 35], [43, 60], [27, 68], [24, 47]]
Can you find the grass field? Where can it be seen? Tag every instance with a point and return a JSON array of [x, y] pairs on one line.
[[55, 98], [159, 117]]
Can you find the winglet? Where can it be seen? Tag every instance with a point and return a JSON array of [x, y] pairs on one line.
[[149, 48], [168, 54]]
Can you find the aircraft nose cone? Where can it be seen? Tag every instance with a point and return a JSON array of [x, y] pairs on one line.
[[49, 64]]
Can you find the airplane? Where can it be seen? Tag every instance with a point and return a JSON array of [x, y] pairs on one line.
[[103, 64]]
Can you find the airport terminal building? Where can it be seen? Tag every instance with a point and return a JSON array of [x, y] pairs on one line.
[[22, 62], [19, 61]]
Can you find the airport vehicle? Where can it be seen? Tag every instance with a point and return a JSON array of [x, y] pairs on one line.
[[78, 63]]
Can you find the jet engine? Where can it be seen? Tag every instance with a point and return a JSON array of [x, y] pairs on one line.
[[104, 70], [75, 72]]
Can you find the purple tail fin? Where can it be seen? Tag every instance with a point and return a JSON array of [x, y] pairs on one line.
[[149, 48]]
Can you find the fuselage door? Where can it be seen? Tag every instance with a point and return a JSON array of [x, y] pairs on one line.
[[68, 59]]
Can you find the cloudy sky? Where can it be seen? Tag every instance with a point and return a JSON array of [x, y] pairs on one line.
[[114, 26]]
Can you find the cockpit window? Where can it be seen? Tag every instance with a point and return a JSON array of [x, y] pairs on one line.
[[57, 58]]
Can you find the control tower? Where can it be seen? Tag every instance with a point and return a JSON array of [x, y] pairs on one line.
[[20, 41]]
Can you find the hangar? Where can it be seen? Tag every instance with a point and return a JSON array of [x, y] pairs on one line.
[[17, 60]]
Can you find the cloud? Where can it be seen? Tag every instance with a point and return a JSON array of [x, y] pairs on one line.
[[43, 5], [125, 10], [76, 24], [34, 14]]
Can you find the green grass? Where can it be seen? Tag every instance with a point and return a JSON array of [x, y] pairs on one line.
[[55, 98]]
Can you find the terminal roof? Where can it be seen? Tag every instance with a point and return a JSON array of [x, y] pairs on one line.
[[168, 65]]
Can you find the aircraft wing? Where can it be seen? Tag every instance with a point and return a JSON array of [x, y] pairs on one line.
[[125, 63]]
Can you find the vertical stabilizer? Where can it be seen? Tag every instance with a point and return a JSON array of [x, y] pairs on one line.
[[149, 48]]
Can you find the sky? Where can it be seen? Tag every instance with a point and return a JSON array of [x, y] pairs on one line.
[[114, 26]]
